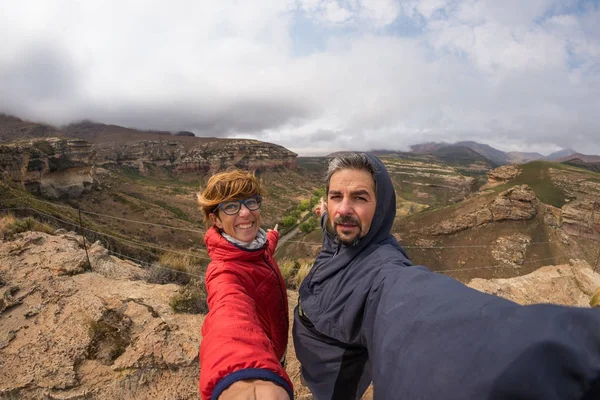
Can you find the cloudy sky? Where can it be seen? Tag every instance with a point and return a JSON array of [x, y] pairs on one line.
[[313, 75]]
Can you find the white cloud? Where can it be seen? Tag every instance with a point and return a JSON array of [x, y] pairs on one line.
[[514, 73]]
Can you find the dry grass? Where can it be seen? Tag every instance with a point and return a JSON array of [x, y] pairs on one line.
[[10, 226], [303, 272], [595, 299], [175, 268], [289, 269], [191, 299], [294, 271]]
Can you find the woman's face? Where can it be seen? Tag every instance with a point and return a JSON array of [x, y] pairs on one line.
[[242, 225]]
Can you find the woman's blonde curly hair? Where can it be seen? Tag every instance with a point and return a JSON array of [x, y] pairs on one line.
[[232, 184]]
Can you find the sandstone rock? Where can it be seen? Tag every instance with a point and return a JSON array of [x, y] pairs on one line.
[[516, 203], [511, 250], [571, 284], [582, 218], [501, 175], [552, 216], [59, 167], [70, 333]]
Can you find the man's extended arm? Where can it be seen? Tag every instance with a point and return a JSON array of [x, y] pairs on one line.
[[429, 336]]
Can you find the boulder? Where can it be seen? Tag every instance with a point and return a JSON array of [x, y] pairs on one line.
[[571, 284]]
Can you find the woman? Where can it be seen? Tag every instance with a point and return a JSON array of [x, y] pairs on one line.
[[246, 330]]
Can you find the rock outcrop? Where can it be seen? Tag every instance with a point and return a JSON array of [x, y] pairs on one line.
[[516, 203], [581, 218], [571, 284], [67, 332], [54, 167], [58, 167], [501, 175], [511, 250]]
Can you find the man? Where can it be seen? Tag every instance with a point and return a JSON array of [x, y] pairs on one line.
[[365, 314]]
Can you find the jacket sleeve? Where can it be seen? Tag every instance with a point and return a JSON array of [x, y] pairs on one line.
[[431, 337], [234, 347], [272, 240]]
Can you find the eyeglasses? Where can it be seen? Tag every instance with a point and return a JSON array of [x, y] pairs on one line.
[[234, 206]]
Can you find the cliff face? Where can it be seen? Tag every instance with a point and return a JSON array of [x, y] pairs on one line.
[[54, 167], [58, 167], [206, 156], [516, 203]]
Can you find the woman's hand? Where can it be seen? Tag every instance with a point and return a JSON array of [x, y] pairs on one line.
[[274, 229], [254, 390]]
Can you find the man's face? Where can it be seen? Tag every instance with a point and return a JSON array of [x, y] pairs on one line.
[[351, 204]]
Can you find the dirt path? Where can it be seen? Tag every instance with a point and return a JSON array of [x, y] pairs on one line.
[[287, 237]]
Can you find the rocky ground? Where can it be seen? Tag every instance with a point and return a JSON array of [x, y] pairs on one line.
[[68, 331]]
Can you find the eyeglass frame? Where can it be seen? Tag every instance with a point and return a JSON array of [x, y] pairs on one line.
[[241, 202]]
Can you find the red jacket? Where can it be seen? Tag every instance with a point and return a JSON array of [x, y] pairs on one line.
[[245, 333]]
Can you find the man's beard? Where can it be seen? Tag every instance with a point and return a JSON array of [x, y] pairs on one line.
[[346, 219]]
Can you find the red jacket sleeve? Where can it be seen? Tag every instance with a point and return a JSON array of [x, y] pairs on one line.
[[234, 347], [272, 240]]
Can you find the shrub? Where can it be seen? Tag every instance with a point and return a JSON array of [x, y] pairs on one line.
[[304, 205], [302, 272], [110, 336], [288, 220], [10, 226], [45, 147], [191, 299], [595, 299], [309, 225], [289, 269], [318, 193], [173, 268]]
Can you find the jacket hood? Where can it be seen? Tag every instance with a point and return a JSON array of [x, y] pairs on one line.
[[220, 249], [334, 256]]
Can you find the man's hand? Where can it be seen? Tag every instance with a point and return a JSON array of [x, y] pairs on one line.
[[254, 390], [274, 229], [320, 208]]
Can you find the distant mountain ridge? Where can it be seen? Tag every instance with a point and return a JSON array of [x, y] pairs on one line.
[[561, 154], [499, 157]]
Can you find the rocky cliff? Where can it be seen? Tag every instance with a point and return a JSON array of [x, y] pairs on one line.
[[55, 167], [61, 167], [516, 203], [206, 155]]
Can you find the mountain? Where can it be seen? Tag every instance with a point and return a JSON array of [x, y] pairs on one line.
[[561, 153], [591, 163], [462, 155], [497, 156], [96, 132], [582, 157], [519, 157], [13, 128], [427, 148]]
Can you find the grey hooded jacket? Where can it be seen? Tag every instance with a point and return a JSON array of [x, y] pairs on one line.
[[365, 314]]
